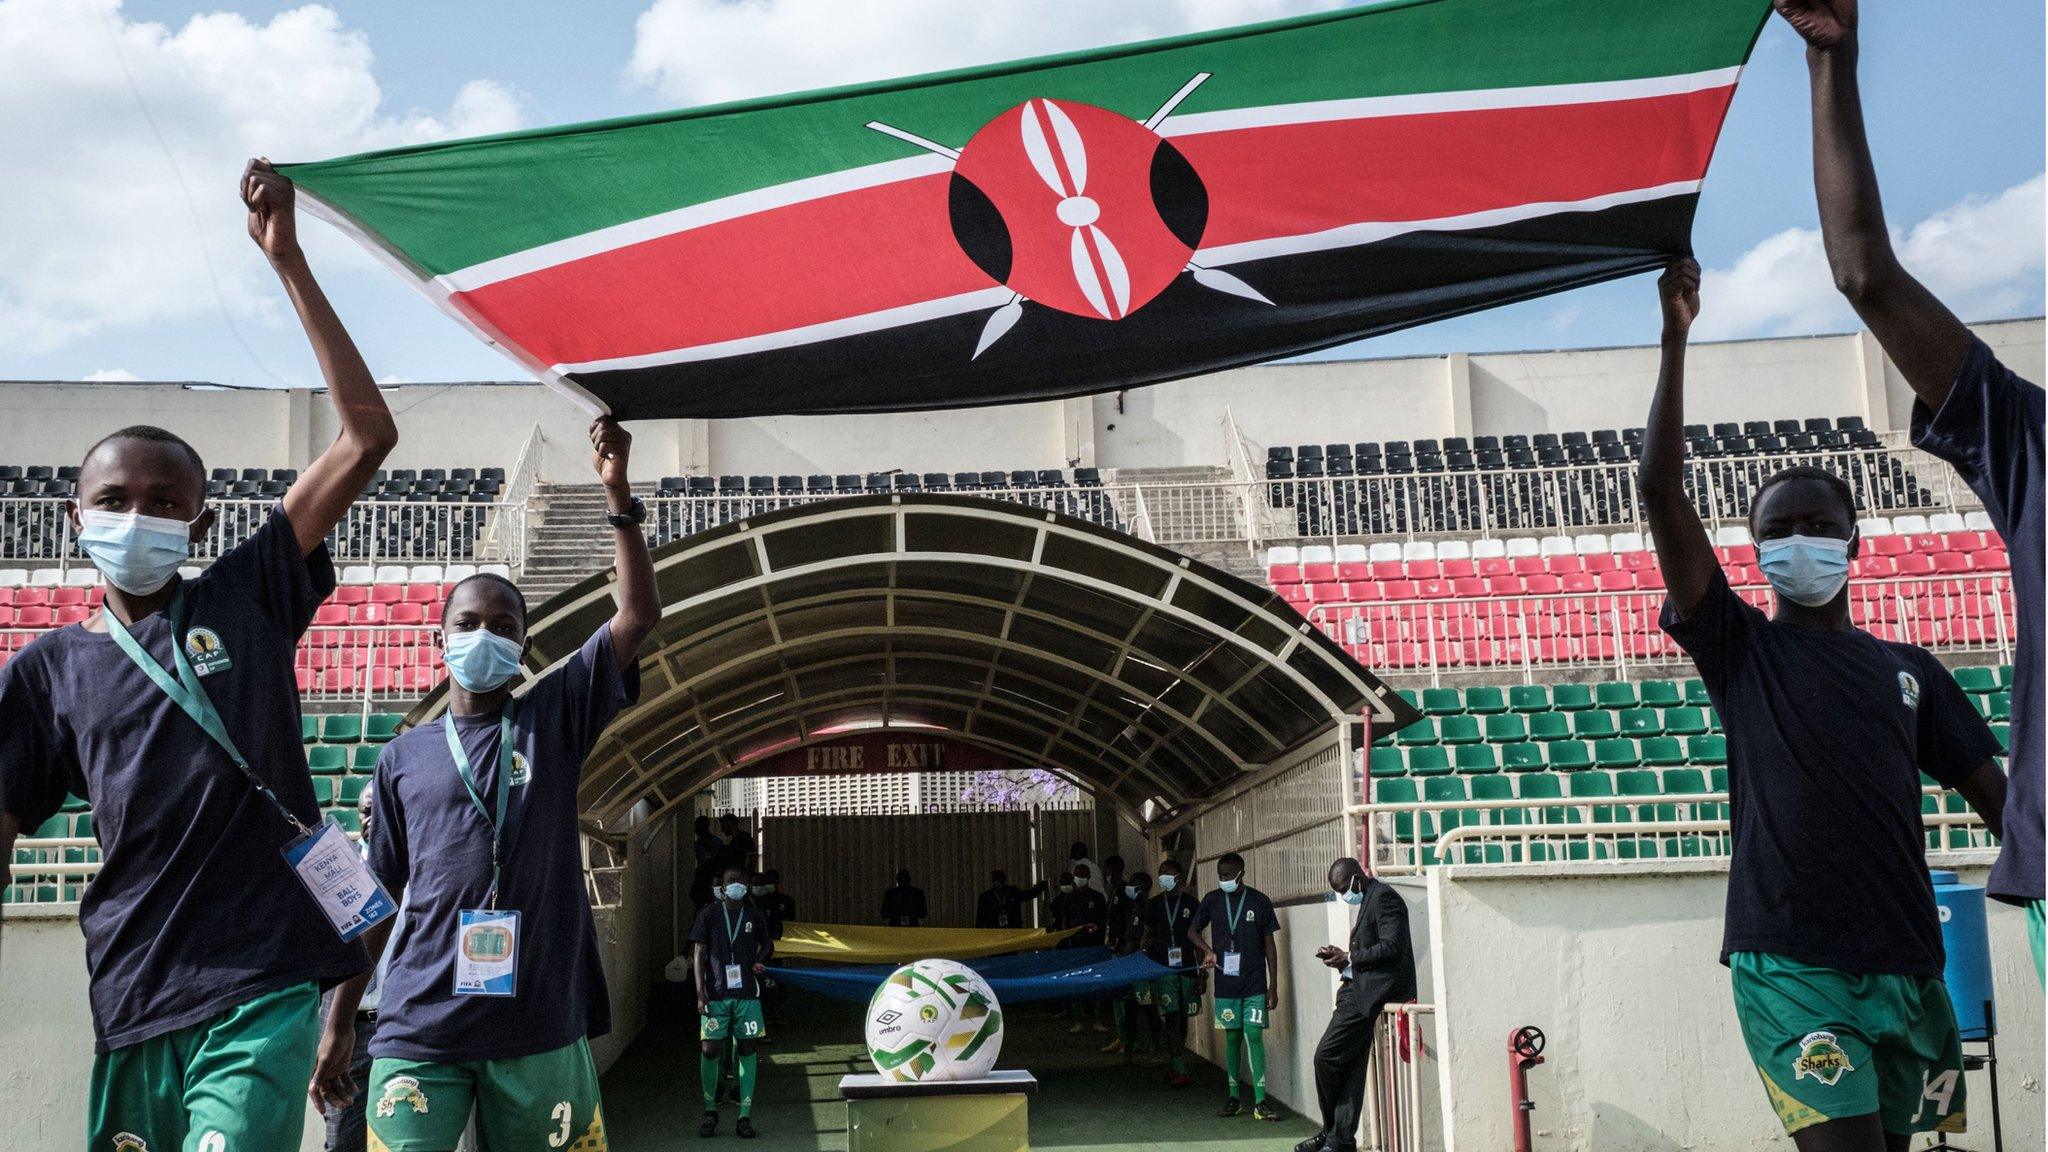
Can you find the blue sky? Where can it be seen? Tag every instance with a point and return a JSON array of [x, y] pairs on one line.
[[125, 124]]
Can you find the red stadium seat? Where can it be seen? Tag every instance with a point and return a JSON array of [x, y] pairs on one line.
[[1398, 589], [1926, 542], [1576, 583], [351, 594], [67, 596], [434, 613], [95, 596], [31, 597], [1421, 570], [409, 613], [1639, 561], [1600, 562], [1617, 581], [1874, 567], [375, 612], [1457, 569], [6, 616], [1888, 545], [422, 593], [1963, 541], [1650, 579], [1325, 591], [1492, 566], [386, 593], [72, 614], [1361, 591], [1386, 569], [1503, 585], [1916, 564], [1543, 584], [1351, 570], [6, 595], [1951, 563], [1433, 589], [331, 614], [1992, 559], [1529, 565], [1564, 565], [33, 616], [1277, 575]]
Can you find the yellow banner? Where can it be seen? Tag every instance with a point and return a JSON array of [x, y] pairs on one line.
[[864, 944]]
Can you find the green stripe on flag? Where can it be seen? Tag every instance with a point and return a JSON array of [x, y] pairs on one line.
[[443, 207]]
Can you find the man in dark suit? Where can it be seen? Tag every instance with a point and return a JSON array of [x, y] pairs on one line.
[[1378, 969]]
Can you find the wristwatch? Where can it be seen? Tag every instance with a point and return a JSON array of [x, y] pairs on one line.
[[634, 515]]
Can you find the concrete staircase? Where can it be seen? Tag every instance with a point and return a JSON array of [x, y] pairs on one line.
[[1190, 520], [567, 537]]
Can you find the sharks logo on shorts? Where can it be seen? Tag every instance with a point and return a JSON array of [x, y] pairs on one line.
[[401, 1090], [1909, 691], [129, 1142], [1821, 1057], [1229, 1015]]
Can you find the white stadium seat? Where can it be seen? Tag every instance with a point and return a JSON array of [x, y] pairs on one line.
[[1732, 536], [1978, 522], [1909, 525], [1945, 522], [1521, 546], [457, 573], [1454, 550], [1488, 549], [1318, 554], [1418, 550], [1556, 546], [1284, 554], [81, 577], [46, 578], [13, 577], [1385, 553], [504, 570], [190, 573], [1625, 542], [425, 574], [1589, 543], [1351, 554], [1874, 526], [358, 574]]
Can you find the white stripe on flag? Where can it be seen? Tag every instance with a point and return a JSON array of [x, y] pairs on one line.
[[874, 175], [1345, 237]]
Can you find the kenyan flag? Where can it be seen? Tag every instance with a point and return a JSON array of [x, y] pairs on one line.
[[1072, 224]]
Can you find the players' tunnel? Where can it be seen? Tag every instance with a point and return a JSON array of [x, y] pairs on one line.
[[1145, 677]]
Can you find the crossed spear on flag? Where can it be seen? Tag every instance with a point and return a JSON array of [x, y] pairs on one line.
[[1057, 153]]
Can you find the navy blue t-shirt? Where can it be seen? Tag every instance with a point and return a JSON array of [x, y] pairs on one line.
[[1828, 733], [1255, 922], [433, 846], [1165, 924], [1989, 428], [194, 910], [732, 936]]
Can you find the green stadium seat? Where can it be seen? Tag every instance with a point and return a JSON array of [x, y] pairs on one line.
[[341, 728], [1429, 760], [1977, 679], [55, 828], [1523, 757], [2005, 677], [1460, 729], [1445, 789], [1569, 756], [1423, 731], [1398, 791], [1684, 721], [81, 825], [1660, 694], [1615, 694], [1594, 724], [74, 804], [363, 758], [1529, 698], [1619, 752], [382, 726], [1441, 702], [1696, 694], [1386, 763], [327, 759], [1717, 780], [1485, 700], [1548, 726], [2004, 734], [2001, 706], [1709, 750], [1571, 697], [1641, 722], [323, 790], [1593, 786], [1408, 695], [1661, 751], [1496, 788], [309, 729], [1685, 782], [1506, 728], [351, 790], [1476, 759], [1713, 720], [349, 820]]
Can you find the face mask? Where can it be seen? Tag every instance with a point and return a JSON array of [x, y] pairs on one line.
[[760, 890], [1130, 891], [1807, 570], [1168, 882], [1082, 881], [481, 661], [1227, 885], [1354, 897], [735, 892], [137, 554]]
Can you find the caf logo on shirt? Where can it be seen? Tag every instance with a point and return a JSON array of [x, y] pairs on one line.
[[1821, 1058], [1251, 915], [1909, 690], [401, 1090], [203, 648], [521, 770], [129, 1142]]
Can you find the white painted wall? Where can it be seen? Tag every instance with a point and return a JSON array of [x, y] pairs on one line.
[[1181, 423]]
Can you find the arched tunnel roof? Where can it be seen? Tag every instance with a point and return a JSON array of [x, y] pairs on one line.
[[1130, 669]]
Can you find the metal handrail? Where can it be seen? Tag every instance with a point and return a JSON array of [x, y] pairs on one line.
[[1393, 1120]]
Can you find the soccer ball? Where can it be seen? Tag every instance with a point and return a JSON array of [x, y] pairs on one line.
[[934, 1020]]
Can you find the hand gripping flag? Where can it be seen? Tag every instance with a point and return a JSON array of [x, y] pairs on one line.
[[1072, 224]]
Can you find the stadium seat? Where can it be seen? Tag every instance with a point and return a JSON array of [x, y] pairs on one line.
[[1548, 726], [1615, 694], [1708, 749], [1472, 759], [1569, 755], [1616, 752], [1430, 760], [1485, 700], [327, 759], [1459, 729], [1594, 724], [1523, 757], [1529, 698], [1506, 728], [1386, 762], [1661, 751]]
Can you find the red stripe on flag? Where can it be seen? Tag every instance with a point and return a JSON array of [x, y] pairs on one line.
[[892, 246]]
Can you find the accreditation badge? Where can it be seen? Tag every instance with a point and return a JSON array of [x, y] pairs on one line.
[[1233, 963], [328, 864], [487, 953]]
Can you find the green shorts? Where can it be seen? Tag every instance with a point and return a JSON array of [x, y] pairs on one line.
[[235, 1081], [2037, 937], [547, 1100], [1832, 1044], [738, 1019], [1235, 1015], [1174, 993]]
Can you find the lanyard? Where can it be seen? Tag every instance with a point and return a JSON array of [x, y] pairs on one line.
[[1232, 917], [1173, 912], [462, 769], [732, 932], [186, 692]]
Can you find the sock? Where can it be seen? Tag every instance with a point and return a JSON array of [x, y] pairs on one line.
[[1178, 1063], [747, 1083], [1122, 1018], [707, 1071], [1255, 1055], [1233, 1043]]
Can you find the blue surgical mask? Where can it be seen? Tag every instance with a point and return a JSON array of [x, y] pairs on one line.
[[1067, 888], [760, 890], [1168, 882], [735, 892], [1130, 891], [1227, 886], [1353, 897], [137, 554], [1806, 570], [481, 660]]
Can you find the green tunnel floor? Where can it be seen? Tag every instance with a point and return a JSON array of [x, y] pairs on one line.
[[1085, 1099]]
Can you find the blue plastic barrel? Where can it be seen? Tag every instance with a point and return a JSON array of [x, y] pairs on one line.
[[1968, 943]]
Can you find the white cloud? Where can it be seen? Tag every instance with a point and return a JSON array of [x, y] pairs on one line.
[[1982, 256], [112, 123], [706, 51], [111, 376]]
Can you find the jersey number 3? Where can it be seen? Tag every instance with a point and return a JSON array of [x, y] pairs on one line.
[[560, 1115]]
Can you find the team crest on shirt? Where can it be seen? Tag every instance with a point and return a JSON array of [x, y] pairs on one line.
[[1821, 1058], [1251, 915], [1909, 690], [401, 1090], [204, 649], [129, 1142], [521, 770]]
